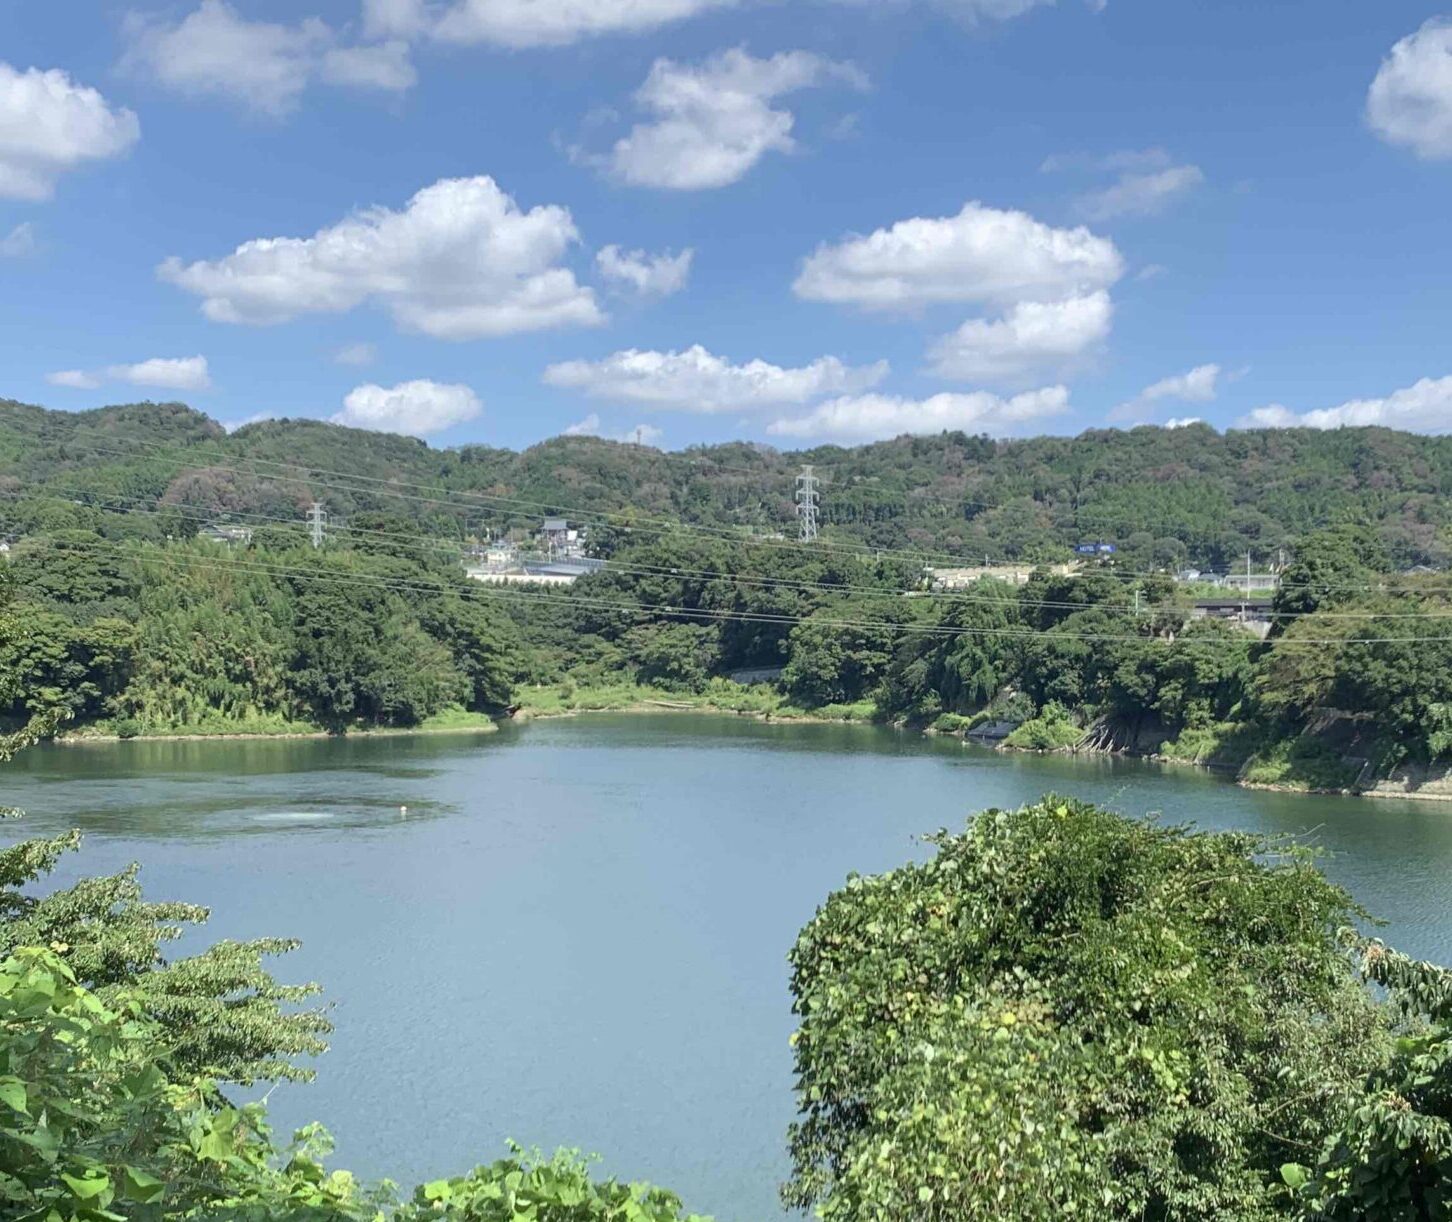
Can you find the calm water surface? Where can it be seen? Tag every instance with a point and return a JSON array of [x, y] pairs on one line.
[[578, 934]]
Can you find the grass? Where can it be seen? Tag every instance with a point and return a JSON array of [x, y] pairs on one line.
[[1226, 744], [720, 694], [456, 718], [1300, 763], [1052, 730]]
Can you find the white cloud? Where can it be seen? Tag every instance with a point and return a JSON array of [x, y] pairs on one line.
[[646, 274], [1198, 385], [588, 427], [1147, 181], [713, 122], [394, 18], [1182, 422], [74, 379], [1423, 408], [1410, 101], [981, 255], [168, 373], [1141, 194], [1033, 338], [48, 125], [419, 408], [873, 417], [530, 23], [215, 51], [641, 434], [974, 11], [385, 66], [356, 354], [19, 242], [698, 381], [265, 65], [233, 425], [461, 261]]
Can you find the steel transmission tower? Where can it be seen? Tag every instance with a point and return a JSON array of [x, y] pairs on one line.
[[807, 505], [317, 523]]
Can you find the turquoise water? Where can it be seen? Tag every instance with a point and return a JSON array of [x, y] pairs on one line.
[[577, 934]]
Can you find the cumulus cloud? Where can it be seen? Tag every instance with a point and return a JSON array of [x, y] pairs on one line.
[[645, 274], [19, 242], [168, 373], [714, 121], [74, 379], [1032, 339], [164, 373], [1182, 422], [527, 23], [356, 354], [265, 65], [1425, 407], [985, 255], [699, 381], [1410, 102], [873, 417], [1198, 385], [418, 409], [49, 125], [460, 261], [536, 23], [590, 426]]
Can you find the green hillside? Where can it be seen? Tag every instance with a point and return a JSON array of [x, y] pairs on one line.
[[1167, 497]]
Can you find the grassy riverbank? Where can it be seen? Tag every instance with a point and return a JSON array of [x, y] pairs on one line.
[[720, 695], [451, 720]]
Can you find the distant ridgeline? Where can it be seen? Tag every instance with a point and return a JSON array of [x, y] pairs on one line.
[[1166, 498]]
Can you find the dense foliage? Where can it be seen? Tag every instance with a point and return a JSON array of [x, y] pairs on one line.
[[1164, 496], [164, 636], [1066, 1013]]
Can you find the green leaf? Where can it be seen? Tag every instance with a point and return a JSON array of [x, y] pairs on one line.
[[1294, 1175], [89, 1187], [138, 1185], [13, 1093]]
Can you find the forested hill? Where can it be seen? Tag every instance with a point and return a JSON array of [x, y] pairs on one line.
[[1166, 496]]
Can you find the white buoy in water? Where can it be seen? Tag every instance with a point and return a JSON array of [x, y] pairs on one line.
[[403, 812]]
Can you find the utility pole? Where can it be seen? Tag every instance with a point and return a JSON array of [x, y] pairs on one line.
[[807, 503], [317, 523]]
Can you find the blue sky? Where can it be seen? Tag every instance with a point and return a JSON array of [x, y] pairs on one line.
[[901, 215]]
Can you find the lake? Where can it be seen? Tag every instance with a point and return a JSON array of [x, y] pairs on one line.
[[577, 935]]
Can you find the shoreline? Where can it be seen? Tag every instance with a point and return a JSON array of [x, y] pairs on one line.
[[699, 708]]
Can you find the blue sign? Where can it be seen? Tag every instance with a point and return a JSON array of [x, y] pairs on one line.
[[1096, 549], [1107, 549]]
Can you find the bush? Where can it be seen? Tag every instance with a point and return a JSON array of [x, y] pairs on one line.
[[1054, 729], [1068, 1013]]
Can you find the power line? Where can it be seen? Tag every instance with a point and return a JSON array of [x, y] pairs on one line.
[[434, 543], [714, 614]]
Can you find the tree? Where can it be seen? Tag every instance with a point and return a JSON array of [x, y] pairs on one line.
[[675, 656], [1331, 567], [1067, 1013]]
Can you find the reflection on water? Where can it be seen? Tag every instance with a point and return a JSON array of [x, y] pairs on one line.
[[577, 933]]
